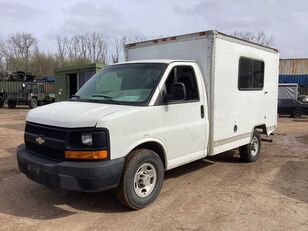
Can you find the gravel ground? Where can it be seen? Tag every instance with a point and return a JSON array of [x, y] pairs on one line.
[[217, 193]]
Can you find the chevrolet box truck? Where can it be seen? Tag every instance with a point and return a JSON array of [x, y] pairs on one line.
[[174, 101]]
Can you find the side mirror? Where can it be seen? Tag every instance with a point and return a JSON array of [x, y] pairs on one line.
[[177, 92]]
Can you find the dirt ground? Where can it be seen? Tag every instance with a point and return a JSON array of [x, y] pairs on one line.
[[218, 193]]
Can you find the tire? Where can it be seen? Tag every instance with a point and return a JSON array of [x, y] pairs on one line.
[[1, 103], [251, 152], [11, 104], [33, 103], [142, 168], [297, 114]]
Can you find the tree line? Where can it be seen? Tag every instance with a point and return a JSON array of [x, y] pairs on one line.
[[20, 51]]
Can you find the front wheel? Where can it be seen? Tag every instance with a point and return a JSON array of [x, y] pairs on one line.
[[33, 103], [142, 179], [250, 152], [1, 103]]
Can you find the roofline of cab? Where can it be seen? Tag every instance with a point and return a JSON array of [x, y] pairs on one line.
[[164, 61]]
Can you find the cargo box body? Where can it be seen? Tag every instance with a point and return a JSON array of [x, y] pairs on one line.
[[233, 112], [16, 87], [10, 86]]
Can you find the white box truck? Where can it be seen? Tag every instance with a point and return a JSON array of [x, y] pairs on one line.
[[175, 100]]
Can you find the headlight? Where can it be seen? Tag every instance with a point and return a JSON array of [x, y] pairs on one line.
[[90, 139], [88, 144], [86, 139]]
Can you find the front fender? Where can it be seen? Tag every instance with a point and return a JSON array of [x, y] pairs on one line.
[[146, 140]]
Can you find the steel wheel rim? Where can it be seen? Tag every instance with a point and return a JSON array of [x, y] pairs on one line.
[[254, 146], [145, 180]]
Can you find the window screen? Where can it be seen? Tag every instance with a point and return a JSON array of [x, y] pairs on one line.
[[251, 74]]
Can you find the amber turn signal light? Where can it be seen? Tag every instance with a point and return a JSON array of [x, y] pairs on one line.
[[92, 155]]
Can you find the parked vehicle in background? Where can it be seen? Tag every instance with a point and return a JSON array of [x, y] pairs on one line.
[[289, 102], [163, 108], [26, 93]]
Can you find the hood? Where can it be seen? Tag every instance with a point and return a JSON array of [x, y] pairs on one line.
[[71, 114]]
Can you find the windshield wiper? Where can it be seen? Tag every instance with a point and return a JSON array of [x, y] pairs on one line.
[[102, 96]]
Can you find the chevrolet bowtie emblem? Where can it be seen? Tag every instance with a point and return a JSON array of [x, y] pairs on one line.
[[40, 140]]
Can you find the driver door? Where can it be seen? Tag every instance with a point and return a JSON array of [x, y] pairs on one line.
[[184, 120]]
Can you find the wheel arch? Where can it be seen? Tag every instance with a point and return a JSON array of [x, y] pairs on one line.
[[154, 145], [261, 128]]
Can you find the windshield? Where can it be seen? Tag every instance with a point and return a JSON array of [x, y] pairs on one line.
[[123, 84], [31, 88]]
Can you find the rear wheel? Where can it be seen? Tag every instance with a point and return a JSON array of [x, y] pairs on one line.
[[142, 179], [297, 113], [250, 152], [33, 103], [1, 103], [11, 104]]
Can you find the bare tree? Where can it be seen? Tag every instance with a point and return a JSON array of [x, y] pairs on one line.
[[62, 49], [17, 50], [259, 37], [118, 43], [72, 49], [118, 46], [4, 51], [98, 48], [20, 51], [2, 63], [22, 44], [4, 54], [43, 64], [88, 47], [83, 51]]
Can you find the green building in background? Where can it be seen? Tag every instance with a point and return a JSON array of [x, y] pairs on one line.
[[70, 79]]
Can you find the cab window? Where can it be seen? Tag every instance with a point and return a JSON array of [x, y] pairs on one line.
[[41, 88], [185, 75]]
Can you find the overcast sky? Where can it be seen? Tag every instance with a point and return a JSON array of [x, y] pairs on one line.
[[286, 21]]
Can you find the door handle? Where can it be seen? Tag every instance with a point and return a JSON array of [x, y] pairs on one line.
[[202, 111]]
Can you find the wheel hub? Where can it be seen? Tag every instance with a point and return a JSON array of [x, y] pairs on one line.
[[145, 180], [254, 146]]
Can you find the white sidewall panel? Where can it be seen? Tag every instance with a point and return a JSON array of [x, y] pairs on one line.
[[245, 109]]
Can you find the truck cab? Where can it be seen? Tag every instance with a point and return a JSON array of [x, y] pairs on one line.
[[38, 91], [130, 107]]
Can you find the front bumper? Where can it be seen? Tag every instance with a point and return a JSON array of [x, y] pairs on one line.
[[71, 175]]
